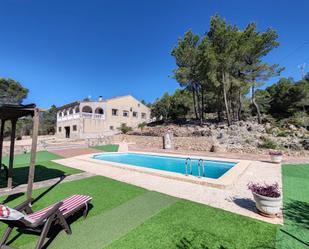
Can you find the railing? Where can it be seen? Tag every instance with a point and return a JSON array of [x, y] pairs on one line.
[[81, 115]]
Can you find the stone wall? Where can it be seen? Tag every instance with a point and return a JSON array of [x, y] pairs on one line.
[[180, 143], [21, 149]]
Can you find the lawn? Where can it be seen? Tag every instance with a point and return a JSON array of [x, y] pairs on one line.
[[45, 169], [126, 216], [107, 147], [295, 232]]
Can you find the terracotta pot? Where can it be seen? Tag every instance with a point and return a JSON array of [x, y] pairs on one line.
[[268, 206]]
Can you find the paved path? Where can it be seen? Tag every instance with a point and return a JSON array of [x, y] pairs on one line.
[[23, 188], [75, 152], [238, 199]]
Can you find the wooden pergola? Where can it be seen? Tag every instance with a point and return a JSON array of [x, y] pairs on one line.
[[11, 113]]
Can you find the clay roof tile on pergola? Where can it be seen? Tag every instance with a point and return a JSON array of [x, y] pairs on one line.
[[12, 112]]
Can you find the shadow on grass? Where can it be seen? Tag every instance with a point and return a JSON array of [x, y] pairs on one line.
[[42, 173], [298, 213], [10, 198], [185, 243], [295, 237]]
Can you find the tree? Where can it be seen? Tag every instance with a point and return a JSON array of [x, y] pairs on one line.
[[257, 45], [172, 107], [160, 108], [186, 55], [180, 103], [221, 67], [12, 92], [223, 39], [48, 121], [263, 99]]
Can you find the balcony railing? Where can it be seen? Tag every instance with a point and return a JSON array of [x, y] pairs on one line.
[[81, 115]]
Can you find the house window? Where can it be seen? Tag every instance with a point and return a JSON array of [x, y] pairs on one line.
[[135, 115], [59, 129], [74, 127], [114, 112], [111, 127], [143, 115], [125, 113]]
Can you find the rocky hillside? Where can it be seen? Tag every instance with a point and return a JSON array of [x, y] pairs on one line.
[[240, 137]]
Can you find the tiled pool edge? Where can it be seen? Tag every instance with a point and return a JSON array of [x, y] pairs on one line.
[[226, 181]]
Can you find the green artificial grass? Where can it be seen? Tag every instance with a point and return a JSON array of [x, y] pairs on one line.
[[126, 216], [44, 169], [113, 224], [24, 159], [190, 225], [107, 194], [295, 231], [107, 147]]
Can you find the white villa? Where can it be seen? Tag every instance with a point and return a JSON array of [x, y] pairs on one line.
[[86, 119]]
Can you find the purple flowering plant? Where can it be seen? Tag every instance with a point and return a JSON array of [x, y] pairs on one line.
[[275, 153], [265, 190]]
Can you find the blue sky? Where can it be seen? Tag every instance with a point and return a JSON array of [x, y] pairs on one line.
[[66, 50]]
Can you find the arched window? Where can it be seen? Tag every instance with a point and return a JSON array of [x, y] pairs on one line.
[[71, 111], [60, 114], [65, 113], [87, 109], [99, 110], [77, 109]]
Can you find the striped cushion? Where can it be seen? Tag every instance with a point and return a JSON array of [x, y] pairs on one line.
[[69, 205]]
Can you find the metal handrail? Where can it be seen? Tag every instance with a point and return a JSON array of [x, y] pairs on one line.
[[199, 167], [187, 160]]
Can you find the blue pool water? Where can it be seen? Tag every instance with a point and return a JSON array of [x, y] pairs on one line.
[[213, 169]]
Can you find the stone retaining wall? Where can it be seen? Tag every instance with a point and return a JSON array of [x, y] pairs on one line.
[[180, 143]]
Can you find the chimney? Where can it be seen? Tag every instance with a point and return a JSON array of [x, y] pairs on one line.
[[100, 98]]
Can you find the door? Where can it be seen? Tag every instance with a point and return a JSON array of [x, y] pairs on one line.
[[67, 131]]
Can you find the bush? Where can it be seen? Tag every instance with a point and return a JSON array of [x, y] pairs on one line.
[[142, 125], [267, 143], [283, 133], [124, 128], [299, 119]]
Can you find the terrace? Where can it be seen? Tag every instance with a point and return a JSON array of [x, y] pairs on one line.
[[76, 110], [124, 215]]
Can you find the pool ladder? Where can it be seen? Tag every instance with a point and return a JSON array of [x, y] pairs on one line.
[[200, 167], [188, 160]]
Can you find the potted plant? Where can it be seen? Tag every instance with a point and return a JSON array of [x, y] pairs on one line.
[[267, 198], [276, 156]]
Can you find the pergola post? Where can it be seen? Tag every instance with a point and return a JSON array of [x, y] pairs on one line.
[[35, 132], [1, 140], [11, 160]]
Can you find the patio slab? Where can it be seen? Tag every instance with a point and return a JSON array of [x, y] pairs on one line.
[[237, 198]]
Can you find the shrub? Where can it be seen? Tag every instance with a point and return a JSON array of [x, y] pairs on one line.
[[265, 190], [268, 144], [283, 133], [299, 119], [142, 125], [124, 128]]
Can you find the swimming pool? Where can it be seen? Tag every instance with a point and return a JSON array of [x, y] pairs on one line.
[[212, 169]]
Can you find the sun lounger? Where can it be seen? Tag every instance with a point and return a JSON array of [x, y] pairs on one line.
[[42, 220]]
